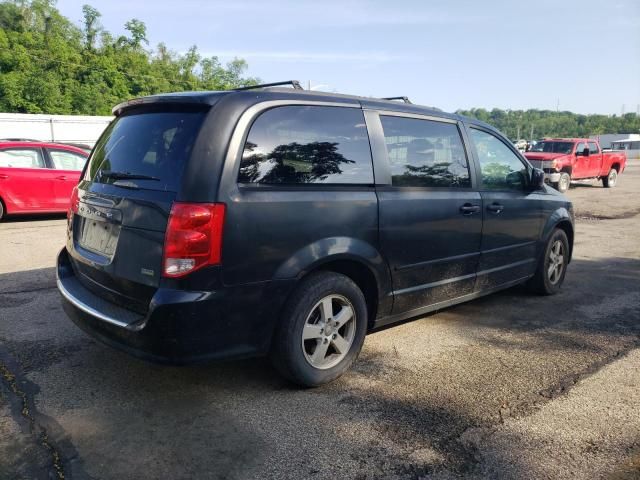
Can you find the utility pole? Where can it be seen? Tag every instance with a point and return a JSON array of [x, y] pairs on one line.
[[531, 134], [558, 105]]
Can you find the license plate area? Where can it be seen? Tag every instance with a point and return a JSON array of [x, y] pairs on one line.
[[98, 236]]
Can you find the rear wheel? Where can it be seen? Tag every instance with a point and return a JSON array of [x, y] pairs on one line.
[[1, 210], [611, 179], [552, 266], [322, 330], [564, 182]]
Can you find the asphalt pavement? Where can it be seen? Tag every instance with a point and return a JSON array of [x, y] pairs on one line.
[[508, 386]]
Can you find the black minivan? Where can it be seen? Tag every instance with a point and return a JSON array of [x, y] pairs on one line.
[[290, 223]]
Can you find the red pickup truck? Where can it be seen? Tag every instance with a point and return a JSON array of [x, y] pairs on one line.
[[566, 159], [37, 177]]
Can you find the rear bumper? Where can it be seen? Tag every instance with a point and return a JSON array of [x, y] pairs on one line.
[[181, 327]]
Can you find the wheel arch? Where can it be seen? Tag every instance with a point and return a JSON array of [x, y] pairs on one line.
[[3, 204], [616, 166], [362, 276], [354, 258], [561, 219]]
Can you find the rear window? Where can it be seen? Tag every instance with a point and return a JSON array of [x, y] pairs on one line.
[[145, 150], [63, 160]]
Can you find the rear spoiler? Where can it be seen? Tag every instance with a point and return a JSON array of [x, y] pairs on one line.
[[186, 98]]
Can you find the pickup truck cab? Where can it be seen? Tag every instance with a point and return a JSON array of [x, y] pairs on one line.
[[567, 159], [38, 177]]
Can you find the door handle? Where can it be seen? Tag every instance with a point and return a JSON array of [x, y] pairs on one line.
[[3, 176], [469, 209], [495, 208], [61, 177]]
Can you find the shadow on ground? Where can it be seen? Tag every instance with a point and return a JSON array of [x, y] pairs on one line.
[[402, 413]]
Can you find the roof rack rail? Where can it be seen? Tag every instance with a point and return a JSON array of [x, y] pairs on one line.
[[294, 83], [404, 99]]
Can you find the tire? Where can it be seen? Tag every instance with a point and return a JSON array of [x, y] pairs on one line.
[[1, 210], [564, 182], [547, 281], [611, 179], [299, 359]]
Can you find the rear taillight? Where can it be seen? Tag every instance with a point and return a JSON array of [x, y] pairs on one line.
[[193, 238], [73, 206]]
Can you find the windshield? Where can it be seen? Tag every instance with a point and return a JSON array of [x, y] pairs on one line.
[[553, 147], [146, 150]]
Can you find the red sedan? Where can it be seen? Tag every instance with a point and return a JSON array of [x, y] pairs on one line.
[[37, 177]]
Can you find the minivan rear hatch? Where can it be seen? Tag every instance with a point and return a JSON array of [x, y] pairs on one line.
[[124, 199]]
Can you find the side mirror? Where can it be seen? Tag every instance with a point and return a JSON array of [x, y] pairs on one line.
[[537, 179]]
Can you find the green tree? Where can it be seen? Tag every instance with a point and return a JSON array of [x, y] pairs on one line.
[[49, 65], [547, 123]]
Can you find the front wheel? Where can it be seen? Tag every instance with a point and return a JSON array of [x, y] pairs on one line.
[[552, 266], [564, 182], [321, 331], [1, 210], [611, 179]]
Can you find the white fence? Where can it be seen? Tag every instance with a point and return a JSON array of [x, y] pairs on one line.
[[53, 128]]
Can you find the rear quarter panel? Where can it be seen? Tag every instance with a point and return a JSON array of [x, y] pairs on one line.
[[274, 233], [279, 234], [613, 158]]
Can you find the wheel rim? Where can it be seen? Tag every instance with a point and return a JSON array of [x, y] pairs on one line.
[[328, 332], [613, 175], [556, 262]]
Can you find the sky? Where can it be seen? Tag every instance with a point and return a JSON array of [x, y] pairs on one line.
[[576, 55]]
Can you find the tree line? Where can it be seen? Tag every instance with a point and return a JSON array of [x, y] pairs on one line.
[[535, 124], [49, 65]]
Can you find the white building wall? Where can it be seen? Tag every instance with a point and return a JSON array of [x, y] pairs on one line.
[[53, 128]]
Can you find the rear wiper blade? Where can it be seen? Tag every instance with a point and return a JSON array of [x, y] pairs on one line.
[[124, 175]]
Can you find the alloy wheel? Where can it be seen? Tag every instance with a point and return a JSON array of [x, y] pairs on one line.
[[556, 262], [329, 331]]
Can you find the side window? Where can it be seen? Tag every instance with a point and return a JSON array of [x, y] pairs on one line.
[[425, 153], [63, 160], [501, 168], [580, 148], [307, 144], [21, 158], [593, 148]]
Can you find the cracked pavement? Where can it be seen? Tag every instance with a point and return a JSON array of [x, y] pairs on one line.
[[508, 386]]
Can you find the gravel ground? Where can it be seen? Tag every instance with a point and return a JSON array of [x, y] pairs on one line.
[[507, 386]]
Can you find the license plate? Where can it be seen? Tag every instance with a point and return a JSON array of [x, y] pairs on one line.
[[99, 237]]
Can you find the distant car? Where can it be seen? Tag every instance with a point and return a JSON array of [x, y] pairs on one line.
[[520, 145], [38, 177]]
